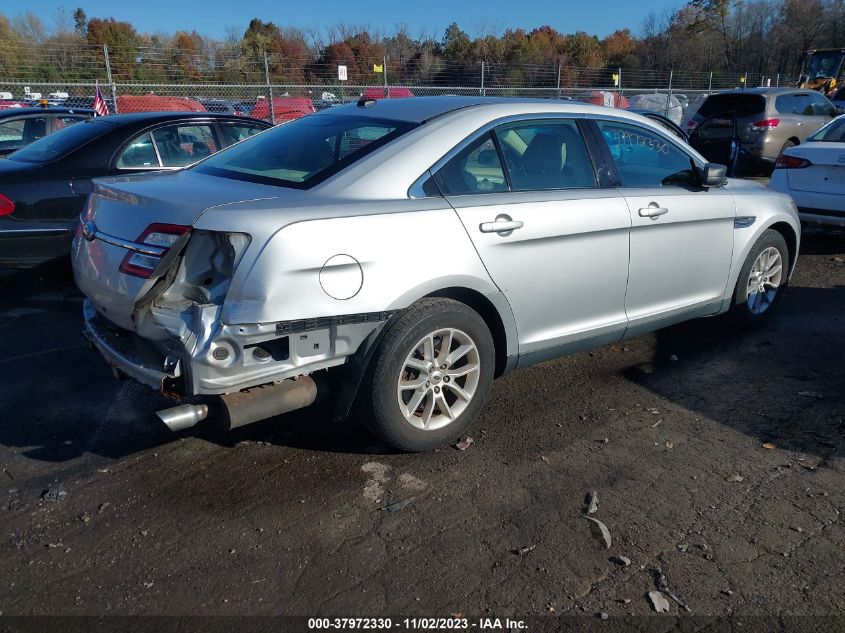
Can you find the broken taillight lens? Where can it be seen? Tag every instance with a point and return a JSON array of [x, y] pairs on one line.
[[160, 236]]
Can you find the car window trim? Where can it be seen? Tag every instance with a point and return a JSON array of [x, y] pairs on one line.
[[606, 148], [197, 121], [489, 127]]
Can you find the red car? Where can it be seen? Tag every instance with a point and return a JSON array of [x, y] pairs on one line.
[[393, 92], [157, 103], [284, 108]]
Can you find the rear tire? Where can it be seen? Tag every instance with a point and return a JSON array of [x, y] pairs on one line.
[[430, 376], [761, 279]]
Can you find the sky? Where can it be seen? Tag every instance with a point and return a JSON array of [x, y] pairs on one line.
[[477, 17]]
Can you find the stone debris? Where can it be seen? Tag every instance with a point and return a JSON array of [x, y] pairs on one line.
[[658, 602], [464, 443], [522, 551], [622, 561], [600, 532], [399, 505], [736, 478], [54, 493]]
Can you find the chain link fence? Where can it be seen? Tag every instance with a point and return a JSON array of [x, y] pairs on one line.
[[237, 81]]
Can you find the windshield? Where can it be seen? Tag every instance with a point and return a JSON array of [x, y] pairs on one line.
[[58, 144], [833, 132], [825, 65], [304, 152], [742, 105]]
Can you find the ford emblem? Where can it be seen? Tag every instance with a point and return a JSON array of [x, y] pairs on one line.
[[89, 231]]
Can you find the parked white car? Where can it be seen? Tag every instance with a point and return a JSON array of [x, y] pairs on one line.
[[813, 173], [404, 252]]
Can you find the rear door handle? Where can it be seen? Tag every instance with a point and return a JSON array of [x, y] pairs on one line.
[[503, 225], [653, 211]]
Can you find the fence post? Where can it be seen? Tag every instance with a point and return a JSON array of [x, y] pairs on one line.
[[710, 83], [483, 93], [269, 89], [384, 68], [558, 82], [669, 98], [777, 81], [109, 77], [619, 80]]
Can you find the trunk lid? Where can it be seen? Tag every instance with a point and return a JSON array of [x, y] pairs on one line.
[[120, 209], [826, 174]]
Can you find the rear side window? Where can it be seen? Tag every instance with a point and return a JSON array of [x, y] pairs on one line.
[[743, 105], [139, 154], [794, 104], [304, 152], [543, 155], [11, 134], [475, 169], [180, 145], [645, 159]]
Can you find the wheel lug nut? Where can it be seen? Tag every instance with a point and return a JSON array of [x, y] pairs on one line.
[[437, 390], [446, 379], [427, 385]]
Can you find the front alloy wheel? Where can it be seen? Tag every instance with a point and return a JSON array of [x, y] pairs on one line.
[[764, 280]]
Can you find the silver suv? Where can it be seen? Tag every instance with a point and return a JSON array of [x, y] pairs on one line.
[[399, 254], [767, 120]]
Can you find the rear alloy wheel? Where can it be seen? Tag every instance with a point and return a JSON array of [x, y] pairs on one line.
[[762, 278], [430, 376]]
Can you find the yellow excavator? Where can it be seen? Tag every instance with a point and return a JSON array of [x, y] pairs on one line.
[[823, 69]]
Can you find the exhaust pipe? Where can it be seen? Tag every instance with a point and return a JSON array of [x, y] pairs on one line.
[[184, 416], [260, 403]]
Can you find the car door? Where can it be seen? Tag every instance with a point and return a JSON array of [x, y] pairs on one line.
[[681, 234], [553, 241], [717, 139]]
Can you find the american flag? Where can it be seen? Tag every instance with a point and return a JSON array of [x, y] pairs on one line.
[[100, 106]]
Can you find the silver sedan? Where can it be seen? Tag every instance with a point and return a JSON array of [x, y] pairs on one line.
[[398, 255]]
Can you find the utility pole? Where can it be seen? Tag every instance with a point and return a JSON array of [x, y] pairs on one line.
[[482, 78], [269, 89], [384, 68], [109, 77]]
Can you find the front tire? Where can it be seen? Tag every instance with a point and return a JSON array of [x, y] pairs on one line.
[[430, 377], [761, 280]]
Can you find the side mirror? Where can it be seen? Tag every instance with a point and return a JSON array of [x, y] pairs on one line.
[[714, 175]]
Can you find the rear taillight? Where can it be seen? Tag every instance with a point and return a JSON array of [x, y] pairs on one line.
[[765, 124], [160, 236], [7, 207], [786, 161]]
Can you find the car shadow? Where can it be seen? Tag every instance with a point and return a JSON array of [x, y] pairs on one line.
[[779, 383], [822, 240]]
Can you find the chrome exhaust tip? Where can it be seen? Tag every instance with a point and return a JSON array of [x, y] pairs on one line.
[[184, 416]]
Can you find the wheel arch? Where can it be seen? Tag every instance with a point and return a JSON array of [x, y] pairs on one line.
[[491, 316], [788, 233]]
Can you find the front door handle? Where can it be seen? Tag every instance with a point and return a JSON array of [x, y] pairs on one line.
[[504, 225], [653, 211]]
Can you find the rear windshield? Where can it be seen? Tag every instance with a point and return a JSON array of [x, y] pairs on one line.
[[833, 132], [61, 143], [304, 152], [741, 105]]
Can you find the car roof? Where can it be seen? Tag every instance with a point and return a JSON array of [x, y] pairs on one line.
[[763, 91], [421, 109], [51, 110], [155, 117]]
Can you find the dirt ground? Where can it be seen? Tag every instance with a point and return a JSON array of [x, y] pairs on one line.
[[716, 455]]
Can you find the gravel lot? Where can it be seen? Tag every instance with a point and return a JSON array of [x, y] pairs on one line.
[[717, 457]]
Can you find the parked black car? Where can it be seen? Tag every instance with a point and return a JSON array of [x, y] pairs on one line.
[[43, 187], [21, 126]]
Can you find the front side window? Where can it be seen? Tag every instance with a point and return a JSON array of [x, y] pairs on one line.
[[237, 132], [304, 152], [475, 169], [543, 155], [801, 104], [833, 132], [180, 145], [644, 158], [823, 107]]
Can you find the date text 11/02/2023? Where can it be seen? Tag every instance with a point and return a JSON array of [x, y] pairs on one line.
[[418, 624]]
